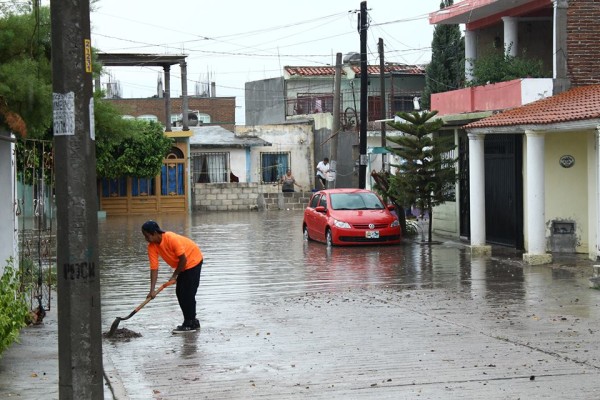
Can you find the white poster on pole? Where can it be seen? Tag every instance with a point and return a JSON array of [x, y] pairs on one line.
[[63, 106]]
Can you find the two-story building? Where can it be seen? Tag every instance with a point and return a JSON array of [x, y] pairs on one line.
[[308, 92], [529, 161]]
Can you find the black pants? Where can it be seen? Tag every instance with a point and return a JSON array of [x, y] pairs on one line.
[[187, 286]]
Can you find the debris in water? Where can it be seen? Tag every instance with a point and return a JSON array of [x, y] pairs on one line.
[[122, 333]]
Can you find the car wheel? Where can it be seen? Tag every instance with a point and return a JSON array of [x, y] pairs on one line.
[[305, 233], [328, 238]]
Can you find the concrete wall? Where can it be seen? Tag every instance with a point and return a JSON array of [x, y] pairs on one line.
[[244, 196], [265, 102]]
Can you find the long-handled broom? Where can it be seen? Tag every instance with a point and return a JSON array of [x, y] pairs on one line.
[[115, 325]]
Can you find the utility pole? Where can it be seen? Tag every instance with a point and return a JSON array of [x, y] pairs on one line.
[[337, 84], [362, 140], [78, 274], [383, 116]]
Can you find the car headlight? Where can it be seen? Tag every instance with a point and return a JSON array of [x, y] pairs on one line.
[[395, 223], [341, 224]]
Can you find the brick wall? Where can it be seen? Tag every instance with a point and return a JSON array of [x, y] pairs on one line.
[[583, 37], [240, 196], [220, 109]]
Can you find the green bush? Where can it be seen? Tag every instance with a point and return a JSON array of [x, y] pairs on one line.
[[13, 307], [496, 66]]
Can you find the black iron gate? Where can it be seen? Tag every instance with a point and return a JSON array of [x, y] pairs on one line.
[[504, 190], [34, 207]]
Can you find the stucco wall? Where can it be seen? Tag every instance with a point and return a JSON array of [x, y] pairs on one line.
[[7, 215], [567, 188], [297, 139]]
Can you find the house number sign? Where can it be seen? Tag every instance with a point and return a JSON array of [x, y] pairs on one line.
[[567, 161]]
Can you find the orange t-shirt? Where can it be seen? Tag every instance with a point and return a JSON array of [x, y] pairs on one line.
[[171, 247]]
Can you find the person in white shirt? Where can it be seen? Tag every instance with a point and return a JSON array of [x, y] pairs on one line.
[[322, 172]]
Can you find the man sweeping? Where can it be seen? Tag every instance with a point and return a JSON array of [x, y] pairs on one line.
[[185, 257]]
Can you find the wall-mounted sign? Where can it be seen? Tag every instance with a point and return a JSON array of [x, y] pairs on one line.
[[567, 161]]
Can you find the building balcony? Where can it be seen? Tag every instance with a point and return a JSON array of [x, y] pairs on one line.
[[493, 97]]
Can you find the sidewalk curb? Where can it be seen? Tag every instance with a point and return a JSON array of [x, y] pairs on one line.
[[113, 379]]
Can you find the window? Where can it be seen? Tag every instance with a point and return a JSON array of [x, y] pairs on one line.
[[403, 103], [114, 187], [210, 167], [314, 103], [273, 166], [148, 117], [315, 201], [203, 118], [323, 201], [374, 107], [142, 187]]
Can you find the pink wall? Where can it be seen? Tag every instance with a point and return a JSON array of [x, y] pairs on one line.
[[497, 96]]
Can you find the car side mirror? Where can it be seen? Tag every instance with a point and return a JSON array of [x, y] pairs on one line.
[[391, 207], [320, 209]]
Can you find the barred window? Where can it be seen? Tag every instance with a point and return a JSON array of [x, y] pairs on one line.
[[210, 167], [314, 103], [403, 103], [273, 166], [142, 186], [114, 187]]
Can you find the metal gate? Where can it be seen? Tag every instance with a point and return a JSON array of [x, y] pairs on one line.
[[35, 210], [504, 190]]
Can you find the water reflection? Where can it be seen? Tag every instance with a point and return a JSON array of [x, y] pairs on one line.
[[254, 255]]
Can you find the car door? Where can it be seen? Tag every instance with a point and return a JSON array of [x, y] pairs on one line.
[[321, 219], [311, 216]]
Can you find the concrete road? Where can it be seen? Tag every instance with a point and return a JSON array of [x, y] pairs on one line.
[[287, 319]]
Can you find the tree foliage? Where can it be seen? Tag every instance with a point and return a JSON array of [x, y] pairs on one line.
[[135, 148], [497, 66], [13, 307], [426, 174], [123, 147], [446, 71], [25, 72]]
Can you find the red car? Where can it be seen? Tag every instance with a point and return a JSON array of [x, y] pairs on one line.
[[350, 217]]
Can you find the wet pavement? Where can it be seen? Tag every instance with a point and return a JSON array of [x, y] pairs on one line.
[[287, 319]]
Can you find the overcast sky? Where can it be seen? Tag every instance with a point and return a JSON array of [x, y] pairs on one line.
[[231, 42]]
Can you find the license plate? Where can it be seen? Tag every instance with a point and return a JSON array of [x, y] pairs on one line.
[[372, 234]]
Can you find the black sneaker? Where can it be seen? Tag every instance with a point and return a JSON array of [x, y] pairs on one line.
[[185, 328], [196, 324]]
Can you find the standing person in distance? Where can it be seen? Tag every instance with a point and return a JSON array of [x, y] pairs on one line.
[[322, 171], [288, 181], [185, 257]]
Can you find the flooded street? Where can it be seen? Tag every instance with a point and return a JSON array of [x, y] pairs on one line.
[[283, 318]]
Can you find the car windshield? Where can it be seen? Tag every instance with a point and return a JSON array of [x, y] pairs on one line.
[[355, 201]]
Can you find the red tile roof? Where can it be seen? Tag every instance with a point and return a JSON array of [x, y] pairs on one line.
[[371, 70], [576, 104]]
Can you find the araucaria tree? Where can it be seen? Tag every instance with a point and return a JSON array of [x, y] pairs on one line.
[[426, 174], [446, 71]]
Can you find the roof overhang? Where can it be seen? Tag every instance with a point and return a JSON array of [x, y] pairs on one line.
[[561, 127], [468, 11]]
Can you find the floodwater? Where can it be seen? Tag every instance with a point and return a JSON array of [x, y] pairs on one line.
[[285, 318]]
